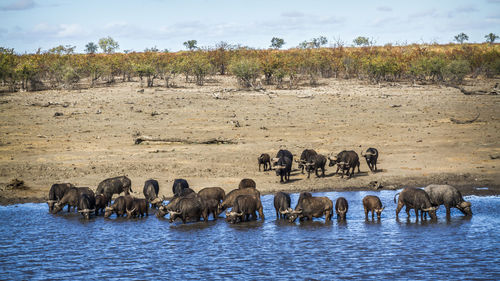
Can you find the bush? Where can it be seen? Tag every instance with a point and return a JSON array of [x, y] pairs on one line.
[[456, 70], [246, 71]]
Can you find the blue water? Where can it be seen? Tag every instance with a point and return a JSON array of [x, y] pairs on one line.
[[36, 245]]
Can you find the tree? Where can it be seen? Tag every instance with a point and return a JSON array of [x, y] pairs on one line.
[[460, 38], [490, 38], [59, 50], [277, 43], [151, 50], [314, 43], [91, 48], [361, 41], [108, 45], [191, 44]]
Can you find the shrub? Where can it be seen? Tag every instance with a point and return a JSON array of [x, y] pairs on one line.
[[246, 71], [456, 70]]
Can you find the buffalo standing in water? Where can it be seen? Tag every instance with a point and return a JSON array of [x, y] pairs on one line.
[[245, 206], [120, 206], [139, 208], [114, 185], [71, 198], [310, 207], [448, 196], [181, 188], [150, 191], [415, 198], [372, 204], [341, 207], [86, 205], [57, 192], [282, 202]]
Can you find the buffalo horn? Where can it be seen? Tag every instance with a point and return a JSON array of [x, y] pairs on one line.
[[464, 204], [51, 201], [430, 209], [108, 209], [284, 212], [333, 158], [156, 200]]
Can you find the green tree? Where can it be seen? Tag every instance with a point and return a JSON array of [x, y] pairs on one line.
[[490, 38], [191, 45], [151, 50], [91, 48], [460, 38], [60, 50], [108, 45], [314, 43], [361, 41], [277, 43]]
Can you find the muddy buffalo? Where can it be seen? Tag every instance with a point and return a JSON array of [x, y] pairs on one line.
[[282, 202], [114, 185], [372, 204], [341, 208], [57, 192], [245, 208], [309, 207], [448, 196], [417, 199]]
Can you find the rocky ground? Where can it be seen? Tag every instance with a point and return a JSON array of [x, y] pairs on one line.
[[212, 135]]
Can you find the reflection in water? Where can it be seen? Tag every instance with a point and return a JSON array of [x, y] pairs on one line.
[[37, 245]]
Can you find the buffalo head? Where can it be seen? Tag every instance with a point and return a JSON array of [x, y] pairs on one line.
[[464, 207]]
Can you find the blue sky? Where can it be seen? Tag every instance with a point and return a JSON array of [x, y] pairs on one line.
[[26, 25]]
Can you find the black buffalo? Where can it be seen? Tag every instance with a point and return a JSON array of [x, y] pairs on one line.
[[281, 153], [305, 157], [284, 168], [57, 192], [100, 203], [282, 202], [310, 207], [231, 196], [139, 208], [216, 193], [264, 159], [247, 183], [71, 198], [315, 163], [417, 199], [119, 206], [245, 208], [86, 205], [371, 156], [114, 185], [181, 188], [345, 160], [448, 196], [188, 209], [150, 191], [341, 208]]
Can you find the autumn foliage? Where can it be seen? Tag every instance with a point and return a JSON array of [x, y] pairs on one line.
[[281, 68]]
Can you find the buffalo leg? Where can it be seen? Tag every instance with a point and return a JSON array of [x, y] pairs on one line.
[[448, 211], [398, 209], [416, 213], [366, 213]]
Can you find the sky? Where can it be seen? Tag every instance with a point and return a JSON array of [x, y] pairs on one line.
[[27, 25]]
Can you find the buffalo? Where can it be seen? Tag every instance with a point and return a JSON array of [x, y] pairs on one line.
[[100, 203], [216, 193], [228, 202], [57, 192], [417, 199], [345, 160], [372, 203], [247, 183], [264, 159], [448, 196], [284, 168], [245, 206], [171, 206], [139, 208], [341, 207], [282, 153], [305, 157], [282, 202], [119, 206], [114, 185], [181, 188], [210, 206], [71, 198], [150, 191], [188, 208], [371, 156], [309, 207], [315, 163], [86, 205]]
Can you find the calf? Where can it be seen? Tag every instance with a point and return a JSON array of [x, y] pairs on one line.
[[264, 159], [373, 204]]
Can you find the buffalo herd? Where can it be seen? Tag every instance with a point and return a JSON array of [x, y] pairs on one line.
[[241, 204]]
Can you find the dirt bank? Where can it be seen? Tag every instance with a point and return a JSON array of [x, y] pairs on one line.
[[215, 134]]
